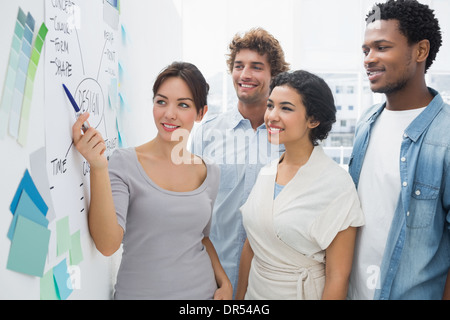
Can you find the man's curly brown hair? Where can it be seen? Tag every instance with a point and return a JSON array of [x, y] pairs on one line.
[[263, 42]]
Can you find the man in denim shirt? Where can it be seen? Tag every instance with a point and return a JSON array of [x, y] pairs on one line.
[[237, 140], [401, 162]]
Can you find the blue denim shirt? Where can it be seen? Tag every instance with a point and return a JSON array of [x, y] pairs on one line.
[[416, 259], [230, 141]]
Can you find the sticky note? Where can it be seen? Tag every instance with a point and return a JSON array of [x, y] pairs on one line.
[[125, 38], [121, 73], [8, 92], [63, 241], [28, 92], [24, 59], [28, 185], [113, 94], [29, 248], [123, 102], [62, 279], [29, 210], [48, 287], [76, 253], [113, 3], [122, 142]]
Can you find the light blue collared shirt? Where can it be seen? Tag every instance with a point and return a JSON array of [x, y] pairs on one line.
[[230, 141], [416, 259]]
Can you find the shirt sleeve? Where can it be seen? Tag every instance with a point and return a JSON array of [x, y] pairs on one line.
[[196, 146], [214, 180], [119, 186], [446, 194], [342, 212]]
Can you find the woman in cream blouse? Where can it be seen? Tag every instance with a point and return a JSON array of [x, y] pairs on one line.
[[302, 213]]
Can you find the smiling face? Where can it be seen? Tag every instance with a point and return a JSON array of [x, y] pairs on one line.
[[286, 119], [389, 59], [251, 76], [174, 108]]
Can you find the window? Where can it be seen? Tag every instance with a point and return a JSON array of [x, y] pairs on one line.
[[329, 46]]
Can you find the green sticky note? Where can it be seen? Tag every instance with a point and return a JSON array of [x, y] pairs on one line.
[[43, 31], [29, 247], [63, 241], [38, 43], [35, 55], [48, 287], [76, 253]]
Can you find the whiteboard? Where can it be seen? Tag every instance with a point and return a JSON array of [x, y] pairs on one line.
[[81, 50], [82, 53], [146, 50]]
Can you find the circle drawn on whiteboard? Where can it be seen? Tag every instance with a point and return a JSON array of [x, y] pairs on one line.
[[90, 98]]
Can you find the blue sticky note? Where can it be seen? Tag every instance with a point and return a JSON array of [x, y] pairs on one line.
[[24, 61], [123, 102], [113, 3], [27, 184], [28, 34], [121, 73], [62, 279], [27, 208], [29, 248], [26, 50]]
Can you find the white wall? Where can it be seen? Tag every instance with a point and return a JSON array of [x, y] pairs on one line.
[[155, 40]]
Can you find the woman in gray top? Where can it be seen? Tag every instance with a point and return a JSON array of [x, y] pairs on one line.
[[157, 199]]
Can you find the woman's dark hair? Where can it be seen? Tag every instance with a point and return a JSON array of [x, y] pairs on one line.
[[316, 96], [416, 22], [193, 78]]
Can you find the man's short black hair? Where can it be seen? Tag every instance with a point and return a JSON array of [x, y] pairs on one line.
[[417, 22]]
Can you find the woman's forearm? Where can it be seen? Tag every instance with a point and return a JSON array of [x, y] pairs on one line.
[[244, 270], [224, 284], [103, 226]]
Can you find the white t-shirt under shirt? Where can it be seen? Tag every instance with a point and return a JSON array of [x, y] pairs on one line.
[[379, 190]]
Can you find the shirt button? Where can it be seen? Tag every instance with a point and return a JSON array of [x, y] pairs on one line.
[[403, 159], [417, 192], [405, 184], [407, 214]]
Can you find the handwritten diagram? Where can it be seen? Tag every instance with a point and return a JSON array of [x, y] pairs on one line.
[[81, 52]]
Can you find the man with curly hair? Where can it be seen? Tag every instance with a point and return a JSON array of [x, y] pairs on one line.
[[400, 162], [237, 139]]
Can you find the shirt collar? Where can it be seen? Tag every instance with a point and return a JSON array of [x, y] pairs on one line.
[[418, 126], [422, 122], [236, 118]]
